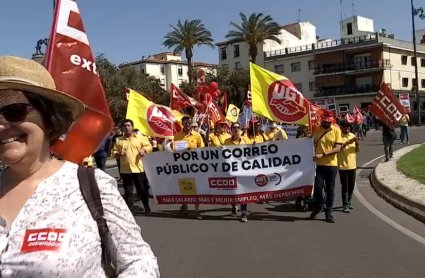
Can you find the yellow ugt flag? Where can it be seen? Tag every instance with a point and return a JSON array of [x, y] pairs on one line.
[[150, 118], [232, 113], [275, 97]]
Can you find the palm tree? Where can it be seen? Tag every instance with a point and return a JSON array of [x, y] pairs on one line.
[[254, 30], [185, 36]]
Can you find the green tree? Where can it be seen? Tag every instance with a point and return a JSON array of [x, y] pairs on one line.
[[254, 30], [116, 78], [185, 36]]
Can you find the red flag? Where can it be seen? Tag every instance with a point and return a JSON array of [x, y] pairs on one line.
[[356, 110], [349, 118], [223, 102], [387, 107], [358, 117], [180, 100], [248, 101], [214, 112], [70, 61]]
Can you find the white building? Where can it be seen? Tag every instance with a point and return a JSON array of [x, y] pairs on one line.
[[352, 68], [293, 35], [167, 67]]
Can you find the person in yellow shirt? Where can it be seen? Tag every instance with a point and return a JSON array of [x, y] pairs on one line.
[[347, 165], [255, 133], [235, 140], [220, 135], [404, 129], [327, 143], [194, 140], [129, 149], [275, 133], [303, 131]]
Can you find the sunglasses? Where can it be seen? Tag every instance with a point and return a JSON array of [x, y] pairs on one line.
[[236, 127], [16, 112]]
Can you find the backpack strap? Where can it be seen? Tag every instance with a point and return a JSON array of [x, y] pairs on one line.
[[91, 195]]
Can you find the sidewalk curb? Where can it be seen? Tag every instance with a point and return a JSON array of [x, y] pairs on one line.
[[400, 202]]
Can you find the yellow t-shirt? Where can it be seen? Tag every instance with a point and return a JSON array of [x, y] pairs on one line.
[[273, 134], [131, 162], [347, 155], [326, 144], [193, 139], [259, 138], [218, 139], [404, 120], [243, 141]]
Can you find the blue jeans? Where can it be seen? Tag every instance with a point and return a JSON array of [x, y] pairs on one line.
[[244, 207], [404, 133], [100, 159]]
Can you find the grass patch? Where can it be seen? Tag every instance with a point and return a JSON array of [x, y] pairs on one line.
[[412, 164]]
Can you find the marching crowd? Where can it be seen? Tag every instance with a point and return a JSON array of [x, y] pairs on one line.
[[335, 151]]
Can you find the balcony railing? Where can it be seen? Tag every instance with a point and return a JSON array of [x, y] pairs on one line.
[[373, 37], [359, 66], [346, 90]]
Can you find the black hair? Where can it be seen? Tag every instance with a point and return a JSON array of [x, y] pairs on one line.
[[56, 116], [235, 123], [344, 123], [186, 118], [128, 121]]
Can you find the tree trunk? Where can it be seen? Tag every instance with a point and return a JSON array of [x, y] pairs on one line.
[[253, 52], [189, 56]]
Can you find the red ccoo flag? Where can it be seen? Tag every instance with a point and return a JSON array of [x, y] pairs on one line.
[[70, 60]]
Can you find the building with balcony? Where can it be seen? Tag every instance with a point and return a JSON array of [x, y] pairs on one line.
[[167, 67], [352, 68], [236, 55]]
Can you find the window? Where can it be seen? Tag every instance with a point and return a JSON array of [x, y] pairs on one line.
[[423, 63], [237, 65], [236, 50], [143, 70], [299, 86], [312, 86], [296, 67], [412, 61], [405, 82], [180, 70], [349, 28], [311, 64], [223, 53], [278, 69], [413, 82], [403, 59], [423, 83], [162, 68], [162, 82]]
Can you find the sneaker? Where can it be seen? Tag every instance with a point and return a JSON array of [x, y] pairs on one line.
[[330, 218], [401, 143], [346, 209], [314, 214], [407, 143], [148, 211], [350, 205], [234, 211], [198, 215], [244, 218]]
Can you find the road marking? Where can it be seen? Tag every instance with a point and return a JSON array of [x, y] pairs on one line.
[[382, 216]]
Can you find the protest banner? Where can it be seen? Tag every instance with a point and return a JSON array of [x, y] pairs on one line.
[[387, 107], [232, 174]]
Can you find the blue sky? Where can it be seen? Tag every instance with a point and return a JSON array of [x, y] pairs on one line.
[[126, 32]]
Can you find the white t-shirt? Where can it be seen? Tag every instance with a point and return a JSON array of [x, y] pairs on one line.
[[54, 234]]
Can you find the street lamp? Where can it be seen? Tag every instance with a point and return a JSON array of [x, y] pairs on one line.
[[416, 12]]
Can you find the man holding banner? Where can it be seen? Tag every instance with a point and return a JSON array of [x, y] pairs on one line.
[[327, 143]]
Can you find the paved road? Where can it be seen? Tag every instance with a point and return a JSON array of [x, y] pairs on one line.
[[279, 241]]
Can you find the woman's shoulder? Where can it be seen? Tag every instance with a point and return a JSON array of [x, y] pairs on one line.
[[104, 180]]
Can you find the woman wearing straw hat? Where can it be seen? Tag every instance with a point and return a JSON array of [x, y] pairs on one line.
[[46, 227]]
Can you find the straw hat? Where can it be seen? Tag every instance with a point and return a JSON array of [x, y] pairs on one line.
[[27, 75]]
